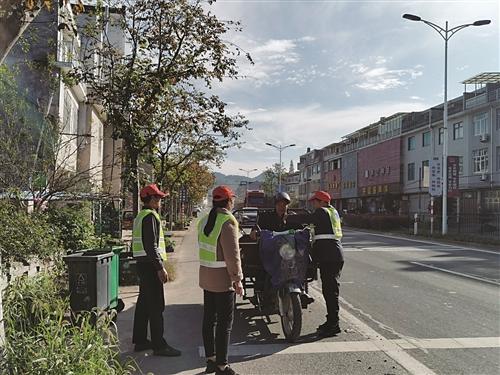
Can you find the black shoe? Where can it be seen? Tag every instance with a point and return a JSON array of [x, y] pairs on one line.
[[167, 351], [305, 299], [211, 367], [329, 331], [227, 371], [143, 346], [322, 327]]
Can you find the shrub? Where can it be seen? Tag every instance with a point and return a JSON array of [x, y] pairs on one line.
[[41, 340], [24, 236], [75, 226], [376, 222]]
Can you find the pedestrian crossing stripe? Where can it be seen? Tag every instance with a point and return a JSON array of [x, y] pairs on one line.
[[250, 350]]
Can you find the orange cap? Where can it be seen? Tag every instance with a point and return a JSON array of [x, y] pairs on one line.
[[221, 193], [152, 190], [321, 196]]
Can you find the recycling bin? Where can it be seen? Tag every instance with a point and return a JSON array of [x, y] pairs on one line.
[[89, 280]]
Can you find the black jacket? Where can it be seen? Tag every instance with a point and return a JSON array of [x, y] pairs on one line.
[[270, 220], [325, 250]]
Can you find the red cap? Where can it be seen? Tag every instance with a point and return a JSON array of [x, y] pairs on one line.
[[151, 190], [221, 193], [321, 196]]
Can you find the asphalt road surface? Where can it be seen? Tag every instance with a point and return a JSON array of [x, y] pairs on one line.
[[408, 307]]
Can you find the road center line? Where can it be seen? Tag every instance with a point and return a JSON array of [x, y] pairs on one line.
[[457, 273], [390, 348]]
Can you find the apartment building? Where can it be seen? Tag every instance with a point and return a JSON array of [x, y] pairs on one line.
[[55, 41], [473, 138], [311, 175], [385, 166]]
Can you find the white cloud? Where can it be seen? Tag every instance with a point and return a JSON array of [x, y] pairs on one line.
[[377, 77], [275, 61], [310, 126]]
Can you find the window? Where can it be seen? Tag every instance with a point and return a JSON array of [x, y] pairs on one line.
[[480, 121], [461, 165], [411, 143], [441, 136], [411, 171], [458, 131], [426, 139], [498, 118], [480, 160]]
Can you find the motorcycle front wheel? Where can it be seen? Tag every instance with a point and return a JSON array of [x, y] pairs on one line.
[[291, 315]]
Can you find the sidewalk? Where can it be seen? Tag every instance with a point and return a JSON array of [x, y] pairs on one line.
[[257, 345], [183, 314]]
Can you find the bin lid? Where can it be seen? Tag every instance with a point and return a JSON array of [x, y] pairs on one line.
[[88, 256]]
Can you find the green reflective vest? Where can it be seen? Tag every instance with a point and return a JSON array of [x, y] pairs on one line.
[[208, 244], [137, 245], [336, 227]]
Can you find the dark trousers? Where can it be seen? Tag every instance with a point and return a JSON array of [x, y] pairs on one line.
[[218, 312], [330, 275], [149, 307]]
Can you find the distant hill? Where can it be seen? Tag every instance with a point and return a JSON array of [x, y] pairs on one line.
[[234, 180]]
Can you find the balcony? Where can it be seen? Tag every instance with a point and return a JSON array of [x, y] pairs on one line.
[[476, 100]]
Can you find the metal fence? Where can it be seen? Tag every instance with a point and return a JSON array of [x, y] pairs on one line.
[[485, 226]]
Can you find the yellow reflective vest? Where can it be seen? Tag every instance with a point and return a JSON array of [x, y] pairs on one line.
[[137, 244], [336, 226], [208, 244]]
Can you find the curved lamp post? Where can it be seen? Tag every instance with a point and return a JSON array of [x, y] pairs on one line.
[[446, 34], [280, 149]]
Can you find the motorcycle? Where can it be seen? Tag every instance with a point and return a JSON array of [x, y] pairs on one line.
[[284, 257]]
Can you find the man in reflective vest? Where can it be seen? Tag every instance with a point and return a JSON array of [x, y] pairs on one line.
[[327, 252], [148, 248]]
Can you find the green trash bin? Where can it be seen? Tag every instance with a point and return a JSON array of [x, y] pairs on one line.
[[89, 278], [114, 276]]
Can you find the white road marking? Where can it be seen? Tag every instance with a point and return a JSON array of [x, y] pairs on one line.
[[378, 345], [446, 246], [457, 273], [396, 352]]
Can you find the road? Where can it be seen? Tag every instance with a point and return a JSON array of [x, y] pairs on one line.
[[407, 307]]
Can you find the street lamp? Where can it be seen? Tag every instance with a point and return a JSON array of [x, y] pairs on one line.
[[446, 34], [247, 171], [280, 149]]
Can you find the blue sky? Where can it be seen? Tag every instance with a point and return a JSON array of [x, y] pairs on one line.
[[326, 68]]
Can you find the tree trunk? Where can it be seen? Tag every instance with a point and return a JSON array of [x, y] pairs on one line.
[[171, 214], [24, 25], [134, 169]]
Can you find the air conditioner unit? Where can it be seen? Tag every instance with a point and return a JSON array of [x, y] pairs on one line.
[[484, 137], [484, 177]]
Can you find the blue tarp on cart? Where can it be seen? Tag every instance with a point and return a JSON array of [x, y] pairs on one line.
[[285, 256]]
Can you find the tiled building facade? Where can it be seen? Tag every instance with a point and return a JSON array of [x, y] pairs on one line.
[[385, 167]]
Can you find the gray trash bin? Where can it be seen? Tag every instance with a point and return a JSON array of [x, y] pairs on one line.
[[88, 275]]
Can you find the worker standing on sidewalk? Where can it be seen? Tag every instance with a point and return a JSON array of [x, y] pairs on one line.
[[148, 248], [220, 278], [327, 252]]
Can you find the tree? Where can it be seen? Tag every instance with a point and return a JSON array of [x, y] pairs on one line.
[[17, 15], [270, 184], [155, 88], [33, 155]]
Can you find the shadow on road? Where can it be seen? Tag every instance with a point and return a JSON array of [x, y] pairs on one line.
[[183, 330]]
